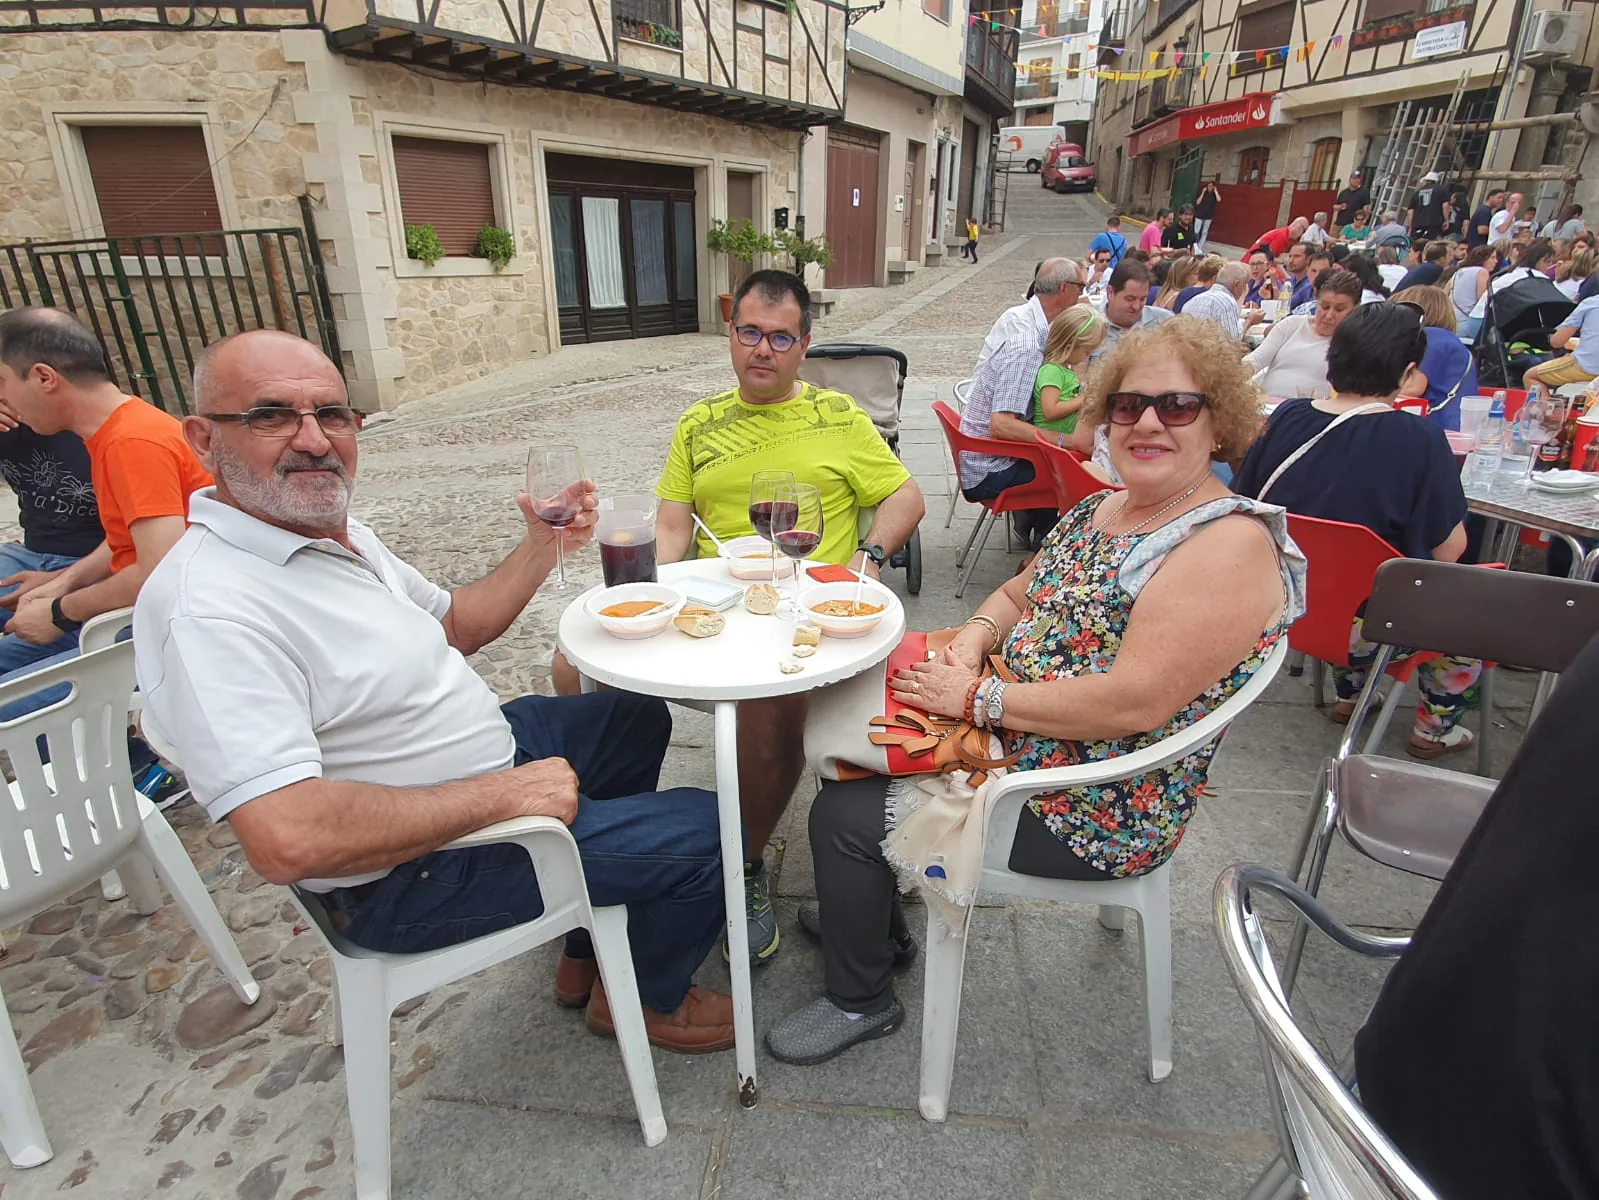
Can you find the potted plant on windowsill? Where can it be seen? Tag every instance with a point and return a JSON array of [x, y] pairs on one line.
[[740, 241]]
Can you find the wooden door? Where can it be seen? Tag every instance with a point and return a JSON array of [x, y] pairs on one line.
[[852, 206], [915, 202], [740, 207], [624, 244]]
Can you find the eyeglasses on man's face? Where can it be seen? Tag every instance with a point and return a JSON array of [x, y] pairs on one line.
[[280, 421], [750, 336]]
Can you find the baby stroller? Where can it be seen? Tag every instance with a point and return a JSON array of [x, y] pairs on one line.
[[875, 377], [1527, 313]]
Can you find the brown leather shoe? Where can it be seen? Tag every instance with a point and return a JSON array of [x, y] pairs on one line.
[[702, 1023], [574, 980]]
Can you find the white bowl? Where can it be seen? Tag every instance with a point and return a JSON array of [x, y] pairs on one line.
[[633, 628], [735, 554], [845, 627]]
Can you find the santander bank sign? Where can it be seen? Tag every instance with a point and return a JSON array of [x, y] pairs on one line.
[[1209, 120]]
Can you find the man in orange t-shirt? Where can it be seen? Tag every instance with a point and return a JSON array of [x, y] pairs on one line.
[[54, 376]]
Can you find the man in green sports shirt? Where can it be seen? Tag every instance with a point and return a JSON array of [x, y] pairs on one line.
[[774, 421]]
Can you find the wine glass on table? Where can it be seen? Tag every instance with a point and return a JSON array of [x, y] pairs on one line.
[[797, 525], [763, 496], [554, 474], [1542, 418]]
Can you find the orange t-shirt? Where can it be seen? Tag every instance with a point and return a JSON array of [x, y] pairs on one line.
[[142, 467]]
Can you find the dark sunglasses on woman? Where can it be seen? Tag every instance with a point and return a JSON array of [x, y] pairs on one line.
[[1173, 408]]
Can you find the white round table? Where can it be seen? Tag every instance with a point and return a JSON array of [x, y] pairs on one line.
[[740, 663]]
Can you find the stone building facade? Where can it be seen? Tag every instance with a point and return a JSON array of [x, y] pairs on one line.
[[319, 110]]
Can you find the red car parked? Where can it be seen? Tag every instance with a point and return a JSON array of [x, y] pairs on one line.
[[1066, 170]]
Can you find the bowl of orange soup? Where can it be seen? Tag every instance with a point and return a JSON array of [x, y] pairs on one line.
[[634, 610]]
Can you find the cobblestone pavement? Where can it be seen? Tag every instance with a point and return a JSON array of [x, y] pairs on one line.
[[154, 1081]]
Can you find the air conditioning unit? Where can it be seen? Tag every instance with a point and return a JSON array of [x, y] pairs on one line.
[[1552, 35]]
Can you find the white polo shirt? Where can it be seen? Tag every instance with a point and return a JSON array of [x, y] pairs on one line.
[[266, 658]]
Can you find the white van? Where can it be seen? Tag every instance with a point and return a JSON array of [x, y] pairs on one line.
[[1026, 144]]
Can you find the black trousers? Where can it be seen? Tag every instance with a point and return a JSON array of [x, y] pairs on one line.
[[858, 894]]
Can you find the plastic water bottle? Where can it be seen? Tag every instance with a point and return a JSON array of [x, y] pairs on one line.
[[1490, 450]]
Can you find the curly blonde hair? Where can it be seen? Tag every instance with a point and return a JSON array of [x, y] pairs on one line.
[[1210, 356]]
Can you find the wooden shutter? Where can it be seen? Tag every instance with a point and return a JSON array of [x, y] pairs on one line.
[[1263, 27], [151, 179], [447, 185]]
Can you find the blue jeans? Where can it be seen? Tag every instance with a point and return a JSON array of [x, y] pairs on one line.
[[14, 652], [656, 852]]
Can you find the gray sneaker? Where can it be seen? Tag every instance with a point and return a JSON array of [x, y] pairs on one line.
[[761, 915], [821, 1031], [809, 918]]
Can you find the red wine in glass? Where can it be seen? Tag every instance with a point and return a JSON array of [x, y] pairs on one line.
[[554, 476], [797, 543], [767, 514], [797, 524], [764, 486], [555, 514]]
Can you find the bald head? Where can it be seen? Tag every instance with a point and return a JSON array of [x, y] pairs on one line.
[[244, 370], [1298, 226]]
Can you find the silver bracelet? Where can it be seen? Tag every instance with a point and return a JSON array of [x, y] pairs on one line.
[[994, 704]]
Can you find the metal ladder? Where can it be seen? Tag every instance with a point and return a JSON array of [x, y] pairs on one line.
[[1416, 144]]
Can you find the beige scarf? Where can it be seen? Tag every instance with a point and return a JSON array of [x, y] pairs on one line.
[[937, 830]]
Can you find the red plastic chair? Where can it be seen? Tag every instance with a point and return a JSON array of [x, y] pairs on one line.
[[1342, 561], [1515, 398], [1037, 493], [1412, 404], [1073, 483]]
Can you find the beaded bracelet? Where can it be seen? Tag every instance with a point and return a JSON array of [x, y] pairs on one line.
[[978, 701], [971, 696], [993, 627]]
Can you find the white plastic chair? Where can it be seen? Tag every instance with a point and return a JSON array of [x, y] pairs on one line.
[[67, 826], [96, 634], [953, 475], [1330, 1145], [1148, 895], [369, 985]]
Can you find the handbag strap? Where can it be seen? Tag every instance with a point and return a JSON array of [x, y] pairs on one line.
[[1374, 406]]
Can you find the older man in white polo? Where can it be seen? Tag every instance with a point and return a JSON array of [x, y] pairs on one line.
[[314, 689]]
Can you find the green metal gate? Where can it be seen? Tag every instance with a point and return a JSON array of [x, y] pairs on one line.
[[1185, 176], [154, 301]]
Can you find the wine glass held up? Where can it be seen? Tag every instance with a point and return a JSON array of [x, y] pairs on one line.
[[798, 506], [563, 499]]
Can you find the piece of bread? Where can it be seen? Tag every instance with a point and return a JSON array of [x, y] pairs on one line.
[[761, 599], [807, 635], [700, 622]]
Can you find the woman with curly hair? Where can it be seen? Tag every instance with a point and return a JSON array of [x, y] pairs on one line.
[[1353, 457], [1144, 610]]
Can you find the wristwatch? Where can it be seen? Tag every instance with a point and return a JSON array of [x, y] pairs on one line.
[[874, 552], [60, 619]]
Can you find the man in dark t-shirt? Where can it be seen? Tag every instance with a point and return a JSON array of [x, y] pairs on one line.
[[1431, 268], [1180, 234], [1351, 200], [59, 517], [1426, 216], [1477, 229]]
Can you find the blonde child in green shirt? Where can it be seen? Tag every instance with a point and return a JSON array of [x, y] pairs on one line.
[[1057, 391]]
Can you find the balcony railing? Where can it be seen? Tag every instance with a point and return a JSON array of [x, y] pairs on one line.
[[1164, 97], [1114, 30], [991, 66], [1036, 91], [658, 22]]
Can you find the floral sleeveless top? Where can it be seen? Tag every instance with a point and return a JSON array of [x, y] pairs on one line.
[[1084, 585]]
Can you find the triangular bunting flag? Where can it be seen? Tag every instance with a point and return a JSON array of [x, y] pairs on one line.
[[1260, 56]]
